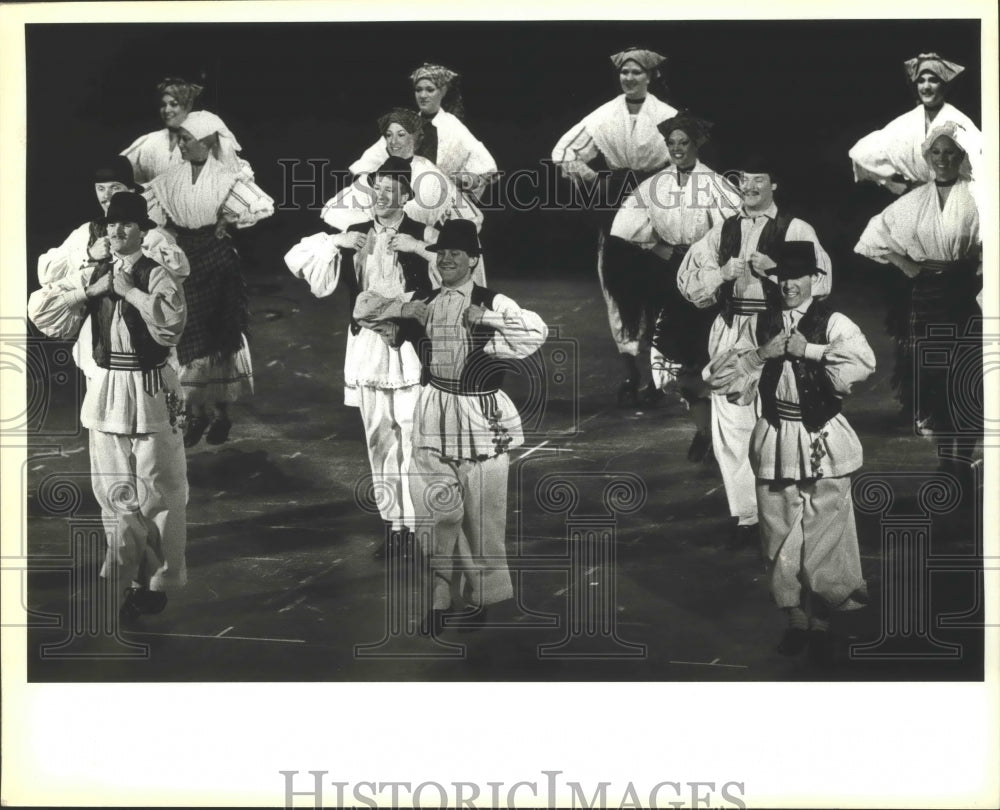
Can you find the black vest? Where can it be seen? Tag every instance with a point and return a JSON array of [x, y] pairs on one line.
[[482, 372], [101, 310], [817, 398], [729, 246], [415, 275]]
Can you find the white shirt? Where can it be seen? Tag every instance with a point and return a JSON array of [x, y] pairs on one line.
[[627, 141], [700, 276], [115, 401], [790, 451]]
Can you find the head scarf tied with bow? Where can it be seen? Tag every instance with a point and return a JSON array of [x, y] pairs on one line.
[[647, 60], [942, 68], [409, 120], [958, 135], [438, 75], [185, 92], [694, 127]]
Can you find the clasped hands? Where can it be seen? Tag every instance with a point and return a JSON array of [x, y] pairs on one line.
[[758, 262], [418, 311], [792, 344], [119, 284]]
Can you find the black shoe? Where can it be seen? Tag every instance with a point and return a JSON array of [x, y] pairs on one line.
[[628, 393], [794, 641], [652, 396], [195, 429], [139, 601], [744, 537], [822, 648], [701, 448], [218, 429]]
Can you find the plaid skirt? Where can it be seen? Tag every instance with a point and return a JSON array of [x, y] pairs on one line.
[[945, 298], [217, 303]]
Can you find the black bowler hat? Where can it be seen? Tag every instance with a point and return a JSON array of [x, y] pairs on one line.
[[457, 234], [116, 170], [794, 260], [395, 168], [127, 206], [760, 163]]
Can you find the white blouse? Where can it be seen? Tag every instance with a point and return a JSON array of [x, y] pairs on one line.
[[218, 190], [662, 210], [435, 199], [897, 147], [627, 142], [916, 226], [458, 150]]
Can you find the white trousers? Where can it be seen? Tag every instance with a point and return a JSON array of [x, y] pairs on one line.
[[731, 428], [810, 540], [141, 485], [463, 507], [387, 415]]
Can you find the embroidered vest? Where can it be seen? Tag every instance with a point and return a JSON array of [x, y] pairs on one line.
[[817, 399], [101, 310], [482, 372], [415, 274], [730, 241]]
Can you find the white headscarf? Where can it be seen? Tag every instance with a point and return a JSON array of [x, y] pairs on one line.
[[202, 123], [961, 138]]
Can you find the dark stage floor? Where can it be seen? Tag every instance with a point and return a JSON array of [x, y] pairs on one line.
[[283, 586]]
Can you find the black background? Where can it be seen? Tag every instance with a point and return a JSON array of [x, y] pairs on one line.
[[806, 90]]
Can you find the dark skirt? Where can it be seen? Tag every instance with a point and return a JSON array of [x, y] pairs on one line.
[[218, 308], [681, 332], [940, 358]]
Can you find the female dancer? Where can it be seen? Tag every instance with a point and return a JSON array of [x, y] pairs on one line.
[[200, 198], [665, 215], [155, 152], [624, 132], [932, 235], [893, 156], [447, 142]]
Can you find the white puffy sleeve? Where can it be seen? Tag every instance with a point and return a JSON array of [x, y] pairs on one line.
[[875, 156], [735, 374], [577, 145], [160, 246], [699, 275], [58, 309], [847, 358], [632, 222], [519, 332], [70, 256], [162, 308], [247, 203], [316, 259], [140, 154]]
